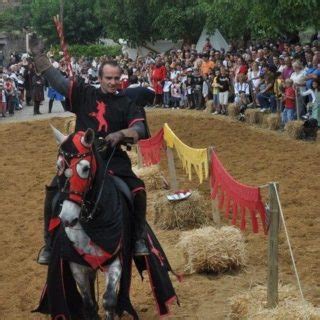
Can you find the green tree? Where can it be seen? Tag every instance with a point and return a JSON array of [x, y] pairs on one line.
[[183, 19], [260, 18], [16, 18], [80, 20], [131, 20]]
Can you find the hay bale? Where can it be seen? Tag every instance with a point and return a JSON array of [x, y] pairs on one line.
[[151, 176], [272, 121], [185, 214], [209, 106], [233, 110], [133, 157], [70, 125], [252, 305], [295, 129], [213, 250], [254, 116]]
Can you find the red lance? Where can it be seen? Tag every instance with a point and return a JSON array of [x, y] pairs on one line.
[[63, 45]]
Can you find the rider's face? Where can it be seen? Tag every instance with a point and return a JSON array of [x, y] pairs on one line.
[[110, 79]]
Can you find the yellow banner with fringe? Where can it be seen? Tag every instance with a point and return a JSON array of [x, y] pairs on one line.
[[190, 157]]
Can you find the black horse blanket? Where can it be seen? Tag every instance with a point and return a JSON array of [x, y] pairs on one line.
[[60, 297]]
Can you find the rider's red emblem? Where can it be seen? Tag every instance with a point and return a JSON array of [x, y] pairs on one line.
[[99, 115]]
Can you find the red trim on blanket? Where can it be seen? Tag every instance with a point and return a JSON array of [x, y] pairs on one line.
[[133, 121], [54, 223], [60, 317], [138, 189]]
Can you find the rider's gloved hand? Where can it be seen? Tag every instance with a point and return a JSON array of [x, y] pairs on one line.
[[114, 138], [36, 45], [36, 48]]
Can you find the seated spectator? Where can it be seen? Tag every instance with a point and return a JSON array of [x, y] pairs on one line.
[[266, 97], [289, 100], [241, 90]]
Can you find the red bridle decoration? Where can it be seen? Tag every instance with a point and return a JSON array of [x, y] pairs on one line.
[[79, 186], [63, 45]]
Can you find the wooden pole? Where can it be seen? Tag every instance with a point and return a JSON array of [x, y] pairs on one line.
[[215, 211], [272, 293], [172, 170]]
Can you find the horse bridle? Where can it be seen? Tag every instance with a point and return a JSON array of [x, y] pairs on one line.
[[80, 156], [85, 214]]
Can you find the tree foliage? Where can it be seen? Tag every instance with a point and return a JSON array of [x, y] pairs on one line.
[[80, 21], [260, 18], [139, 21]]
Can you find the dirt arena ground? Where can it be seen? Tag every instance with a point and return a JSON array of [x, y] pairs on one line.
[[252, 155]]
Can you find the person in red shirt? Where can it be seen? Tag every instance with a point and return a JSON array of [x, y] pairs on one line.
[[289, 102], [158, 75]]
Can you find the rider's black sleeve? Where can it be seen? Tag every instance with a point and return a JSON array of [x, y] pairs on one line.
[[57, 81], [140, 128]]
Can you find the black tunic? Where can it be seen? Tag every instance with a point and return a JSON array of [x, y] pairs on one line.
[[106, 113]]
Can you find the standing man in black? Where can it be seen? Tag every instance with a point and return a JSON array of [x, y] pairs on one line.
[[113, 116]]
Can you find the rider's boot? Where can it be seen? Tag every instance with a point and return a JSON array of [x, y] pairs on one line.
[[140, 209], [45, 252]]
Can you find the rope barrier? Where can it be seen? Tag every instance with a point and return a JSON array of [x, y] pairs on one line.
[[289, 244]]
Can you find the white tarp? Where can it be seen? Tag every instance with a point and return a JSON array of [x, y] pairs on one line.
[[159, 46], [217, 40]]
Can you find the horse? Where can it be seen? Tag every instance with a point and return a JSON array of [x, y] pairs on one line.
[[79, 168], [91, 231]]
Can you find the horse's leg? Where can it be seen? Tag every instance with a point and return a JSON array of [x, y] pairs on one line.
[[110, 297], [84, 277]]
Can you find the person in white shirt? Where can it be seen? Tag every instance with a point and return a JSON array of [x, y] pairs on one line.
[[166, 92]]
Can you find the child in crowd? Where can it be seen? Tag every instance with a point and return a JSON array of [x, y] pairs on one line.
[[10, 92], [314, 105], [176, 93], [289, 102], [278, 88], [224, 83], [166, 92], [189, 89]]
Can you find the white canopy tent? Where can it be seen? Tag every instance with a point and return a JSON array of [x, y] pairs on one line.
[[217, 40], [159, 46]]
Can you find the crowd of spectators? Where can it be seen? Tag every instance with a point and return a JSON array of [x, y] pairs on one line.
[[275, 77]]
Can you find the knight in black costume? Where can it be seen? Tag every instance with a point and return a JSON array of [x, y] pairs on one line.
[[113, 116]]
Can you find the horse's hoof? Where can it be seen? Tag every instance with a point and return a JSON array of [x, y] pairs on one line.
[[110, 315]]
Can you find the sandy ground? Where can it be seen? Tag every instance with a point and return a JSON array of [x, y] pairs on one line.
[[252, 155]]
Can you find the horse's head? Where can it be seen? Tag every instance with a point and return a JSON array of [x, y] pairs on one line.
[[76, 169]]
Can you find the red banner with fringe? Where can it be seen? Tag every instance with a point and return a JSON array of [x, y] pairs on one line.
[[235, 197], [151, 149]]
